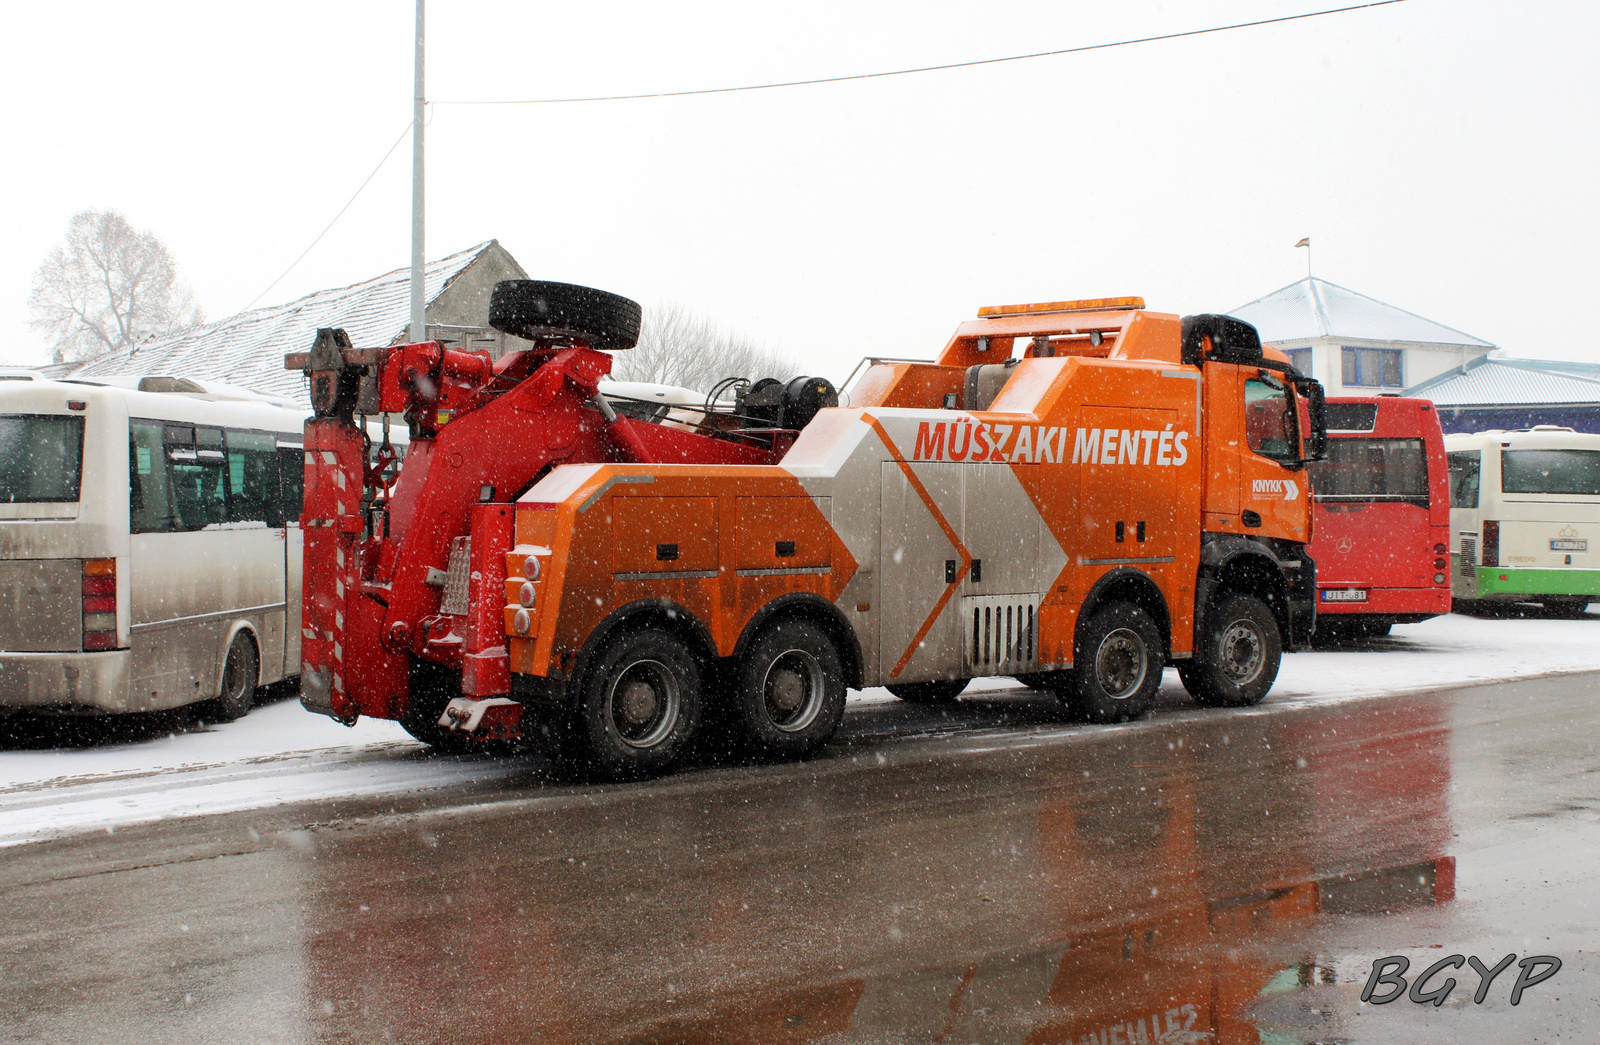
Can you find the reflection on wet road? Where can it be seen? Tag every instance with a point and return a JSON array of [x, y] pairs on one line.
[[1223, 877]]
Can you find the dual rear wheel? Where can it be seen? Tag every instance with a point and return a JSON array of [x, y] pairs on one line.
[[642, 701]]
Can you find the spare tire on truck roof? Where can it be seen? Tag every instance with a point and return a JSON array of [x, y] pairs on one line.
[[535, 308]]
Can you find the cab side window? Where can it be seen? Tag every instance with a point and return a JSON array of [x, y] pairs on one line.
[[1270, 426]]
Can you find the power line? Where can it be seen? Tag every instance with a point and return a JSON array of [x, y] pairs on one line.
[[336, 217], [927, 68]]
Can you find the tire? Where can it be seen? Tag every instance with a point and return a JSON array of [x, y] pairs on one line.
[[1236, 660], [638, 708], [944, 691], [432, 686], [789, 694], [1567, 609], [1117, 661], [535, 308], [241, 674]]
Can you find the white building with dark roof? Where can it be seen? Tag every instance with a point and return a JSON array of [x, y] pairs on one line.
[[1355, 344], [247, 349]]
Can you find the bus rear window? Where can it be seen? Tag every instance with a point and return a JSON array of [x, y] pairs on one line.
[[1372, 470], [1575, 472], [41, 458]]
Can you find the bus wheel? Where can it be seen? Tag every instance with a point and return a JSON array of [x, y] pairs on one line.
[[943, 691], [638, 706], [1568, 609], [790, 691], [240, 673], [1118, 665], [1236, 659]]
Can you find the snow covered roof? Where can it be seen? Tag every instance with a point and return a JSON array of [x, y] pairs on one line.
[[1513, 382], [248, 349], [1315, 308]]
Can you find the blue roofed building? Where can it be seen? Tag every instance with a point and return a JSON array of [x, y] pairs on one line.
[[1515, 393]]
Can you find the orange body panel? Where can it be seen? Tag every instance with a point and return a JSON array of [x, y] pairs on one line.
[[955, 539]]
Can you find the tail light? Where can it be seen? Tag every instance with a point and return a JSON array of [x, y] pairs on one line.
[[1489, 554], [1439, 549], [99, 604]]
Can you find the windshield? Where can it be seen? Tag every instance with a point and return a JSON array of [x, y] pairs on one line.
[[1575, 472], [41, 457], [1267, 420], [1372, 470]]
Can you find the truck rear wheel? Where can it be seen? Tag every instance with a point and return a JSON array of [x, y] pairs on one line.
[[790, 693], [1118, 665], [1236, 660], [943, 691], [639, 706], [536, 308]]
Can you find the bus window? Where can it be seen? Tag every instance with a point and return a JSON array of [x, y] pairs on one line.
[[1372, 470], [1465, 466], [41, 458], [1267, 424], [149, 494], [253, 478], [1550, 471], [291, 483], [199, 481]]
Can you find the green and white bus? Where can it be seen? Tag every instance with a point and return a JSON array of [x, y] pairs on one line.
[[1525, 517]]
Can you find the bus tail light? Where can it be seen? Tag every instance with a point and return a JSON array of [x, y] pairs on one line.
[[1490, 552], [99, 604]]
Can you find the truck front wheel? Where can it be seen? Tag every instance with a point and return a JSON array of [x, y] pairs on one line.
[[1236, 660], [639, 706], [790, 691], [1118, 665]]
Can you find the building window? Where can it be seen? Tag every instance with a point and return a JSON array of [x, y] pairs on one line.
[[1372, 367], [1300, 358]]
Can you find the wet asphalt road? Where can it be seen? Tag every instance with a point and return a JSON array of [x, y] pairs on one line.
[[991, 875]]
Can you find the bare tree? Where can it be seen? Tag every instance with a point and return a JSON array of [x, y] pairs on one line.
[[679, 347], [108, 287]]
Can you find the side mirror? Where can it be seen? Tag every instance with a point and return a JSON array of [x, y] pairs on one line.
[[1317, 404], [1232, 340]]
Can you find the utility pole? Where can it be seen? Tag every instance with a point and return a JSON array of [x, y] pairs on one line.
[[419, 325]]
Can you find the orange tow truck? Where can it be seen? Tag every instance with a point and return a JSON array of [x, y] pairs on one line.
[[1075, 494]]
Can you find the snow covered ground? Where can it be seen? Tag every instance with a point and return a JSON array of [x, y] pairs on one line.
[[281, 754]]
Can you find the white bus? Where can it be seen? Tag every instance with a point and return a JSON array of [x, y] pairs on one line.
[[1525, 517], [150, 550]]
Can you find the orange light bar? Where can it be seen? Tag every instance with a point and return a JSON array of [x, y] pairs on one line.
[[1086, 305], [100, 567]]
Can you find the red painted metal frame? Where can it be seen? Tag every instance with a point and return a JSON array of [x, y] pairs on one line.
[[479, 430]]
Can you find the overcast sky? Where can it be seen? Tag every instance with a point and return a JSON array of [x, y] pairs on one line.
[[1441, 154]]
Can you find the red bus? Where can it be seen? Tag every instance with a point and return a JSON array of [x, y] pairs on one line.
[[1381, 521]]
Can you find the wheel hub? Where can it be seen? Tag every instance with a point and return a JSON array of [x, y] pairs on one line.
[[1120, 664], [793, 690], [1243, 653], [637, 703], [644, 703]]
